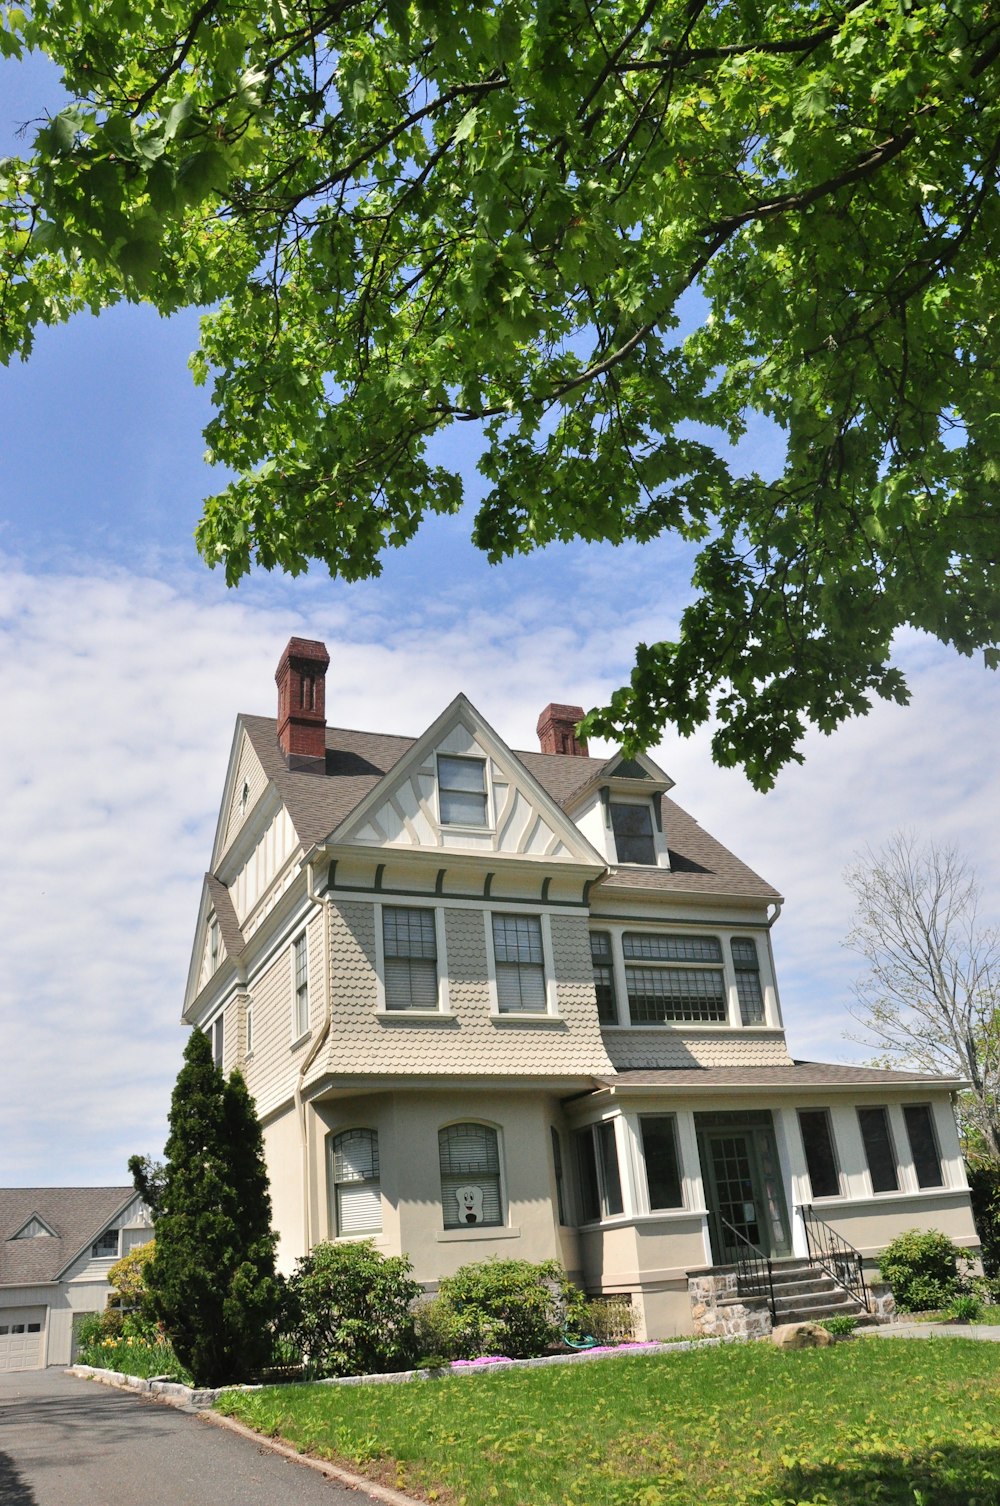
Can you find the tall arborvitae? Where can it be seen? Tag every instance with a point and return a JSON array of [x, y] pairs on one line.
[[212, 1280]]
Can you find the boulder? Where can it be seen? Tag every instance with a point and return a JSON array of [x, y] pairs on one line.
[[800, 1336]]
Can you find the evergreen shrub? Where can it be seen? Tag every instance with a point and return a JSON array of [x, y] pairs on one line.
[[921, 1266], [348, 1310], [509, 1307]]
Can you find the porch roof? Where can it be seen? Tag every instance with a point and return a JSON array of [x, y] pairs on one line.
[[833, 1076]]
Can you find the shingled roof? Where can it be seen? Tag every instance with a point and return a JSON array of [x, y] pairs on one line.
[[357, 761], [76, 1216], [800, 1074]]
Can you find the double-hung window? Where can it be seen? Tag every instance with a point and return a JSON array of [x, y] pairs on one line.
[[633, 831], [604, 977], [470, 1176], [462, 791], [663, 1168], [821, 1160], [674, 978], [520, 964], [748, 990], [410, 956], [300, 955], [919, 1123], [354, 1180], [879, 1150], [600, 1180]]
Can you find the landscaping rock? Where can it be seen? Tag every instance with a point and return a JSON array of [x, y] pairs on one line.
[[801, 1336]]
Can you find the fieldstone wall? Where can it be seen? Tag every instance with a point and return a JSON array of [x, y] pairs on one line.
[[718, 1311], [883, 1303]]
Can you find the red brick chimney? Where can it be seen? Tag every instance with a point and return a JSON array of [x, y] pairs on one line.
[[301, 679], [557, 730]]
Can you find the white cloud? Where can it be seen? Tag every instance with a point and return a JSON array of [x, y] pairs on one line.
[[119, 693]]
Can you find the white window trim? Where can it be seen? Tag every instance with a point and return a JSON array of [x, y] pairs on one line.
[[926, 1103], [637, 1158], [624, 1136], [660, 849], [298, 1036], [843, 1181], [378, 1236], [248, 1030], [551, 1011], [440, 941], [905, 1175], [733, 1020], [489, 825], [480, 1231]]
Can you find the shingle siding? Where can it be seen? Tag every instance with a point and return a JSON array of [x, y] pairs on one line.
[[672, 1047]]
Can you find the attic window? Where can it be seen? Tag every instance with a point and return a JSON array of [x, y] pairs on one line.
[[32, 1229], [106, 1247], [462, 791], [633, 829]]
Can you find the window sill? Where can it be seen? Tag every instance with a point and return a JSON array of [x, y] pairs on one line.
[[512, 1017], [300, 1040], [489, 1231], [415, 1016]]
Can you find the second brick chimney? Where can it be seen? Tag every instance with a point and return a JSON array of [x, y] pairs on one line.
[[557, 730], [301, 680]]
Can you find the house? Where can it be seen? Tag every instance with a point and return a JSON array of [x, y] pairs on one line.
[[57, 1245], [497, 1003]]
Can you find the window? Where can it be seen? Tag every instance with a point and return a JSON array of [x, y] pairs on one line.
[[520, 964], [106, 1247], [923, 1144], [557, 1163], [748, 989], [879, 1152], [300, 962], [462, 791], [354, 1178], [604, 977], [659, 1150], [470, 1175], [213, 943], [410, 957], [633, 829], [218, 1038], [817, 1141], [249, 1018], [659, 990], [600, 1182]]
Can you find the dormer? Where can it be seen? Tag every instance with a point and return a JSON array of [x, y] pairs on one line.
[[35, 1228], [620, 810]]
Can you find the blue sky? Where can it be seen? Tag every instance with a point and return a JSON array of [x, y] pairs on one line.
[[123, 662]]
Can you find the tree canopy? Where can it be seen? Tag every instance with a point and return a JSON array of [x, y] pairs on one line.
[[605, 238]]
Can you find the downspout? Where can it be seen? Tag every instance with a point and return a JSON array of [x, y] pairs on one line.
[[310, 1057]]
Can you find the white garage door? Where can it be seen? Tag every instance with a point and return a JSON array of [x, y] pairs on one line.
[[22, 1338]]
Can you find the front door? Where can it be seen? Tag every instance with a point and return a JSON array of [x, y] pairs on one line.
[[739, 1164]]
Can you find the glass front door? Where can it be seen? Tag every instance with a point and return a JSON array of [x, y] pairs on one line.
[[739, 1164]]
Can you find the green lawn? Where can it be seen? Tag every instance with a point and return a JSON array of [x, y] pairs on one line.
[[897, 1423]]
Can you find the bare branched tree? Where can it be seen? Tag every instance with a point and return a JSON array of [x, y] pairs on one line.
[[931, 996]]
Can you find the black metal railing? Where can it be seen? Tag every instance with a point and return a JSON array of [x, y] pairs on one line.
[[827, 1249], [754, 1276]]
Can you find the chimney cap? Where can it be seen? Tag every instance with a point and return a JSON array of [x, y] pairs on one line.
[[304, 648]]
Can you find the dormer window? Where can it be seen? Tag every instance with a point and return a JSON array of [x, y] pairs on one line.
[[462, 791], [633, 831]]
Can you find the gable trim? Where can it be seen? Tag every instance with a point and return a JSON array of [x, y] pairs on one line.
[[33, 1218]]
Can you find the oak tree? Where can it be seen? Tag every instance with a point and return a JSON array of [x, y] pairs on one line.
[[606, 240]]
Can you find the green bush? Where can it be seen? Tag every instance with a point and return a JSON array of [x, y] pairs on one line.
[[921, 1266], [348, 1310], [509, 1307], [984, 1189], [610, 1320], [842, 1326], [965, 1308]]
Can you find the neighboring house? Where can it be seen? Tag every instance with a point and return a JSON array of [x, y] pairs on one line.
[[522, 1004], [57, 1245]]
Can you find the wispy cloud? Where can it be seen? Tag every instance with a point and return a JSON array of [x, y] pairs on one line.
[[119, 693]]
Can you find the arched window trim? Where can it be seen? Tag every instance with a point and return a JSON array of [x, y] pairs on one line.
[[454, 1179], [365, 1217]]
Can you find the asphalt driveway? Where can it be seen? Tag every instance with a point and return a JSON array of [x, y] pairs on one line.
[[66, 1442]]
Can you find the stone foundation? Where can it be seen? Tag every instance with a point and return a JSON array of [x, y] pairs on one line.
[[719, 1312]]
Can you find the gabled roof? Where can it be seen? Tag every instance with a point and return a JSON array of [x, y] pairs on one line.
[[76, 1215], [357, 761]]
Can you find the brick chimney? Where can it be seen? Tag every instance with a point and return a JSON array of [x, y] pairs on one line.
[[301, 680], [556, 730]]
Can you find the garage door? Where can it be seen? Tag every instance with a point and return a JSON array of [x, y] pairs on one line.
[[22, 1338]]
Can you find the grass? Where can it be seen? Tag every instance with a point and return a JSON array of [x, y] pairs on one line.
[[143, 1357], [901, 1423]]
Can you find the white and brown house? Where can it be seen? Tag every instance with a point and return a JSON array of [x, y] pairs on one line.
[[521, 1004], [57, 1245]]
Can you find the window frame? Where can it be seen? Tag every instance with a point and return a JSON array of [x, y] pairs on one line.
[[622, 802], [384, 960], [443, 1005], [669, 1117], [441, 788], [928, 1108], [97, 1254], [502, 1221], [666, 966], [824, 1111], [217, 1038], [300, 987], [596, 1135], [548, 978], [614, 1017], [882, 1108], [332, 1184], [743, 969], [248, 1029]]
